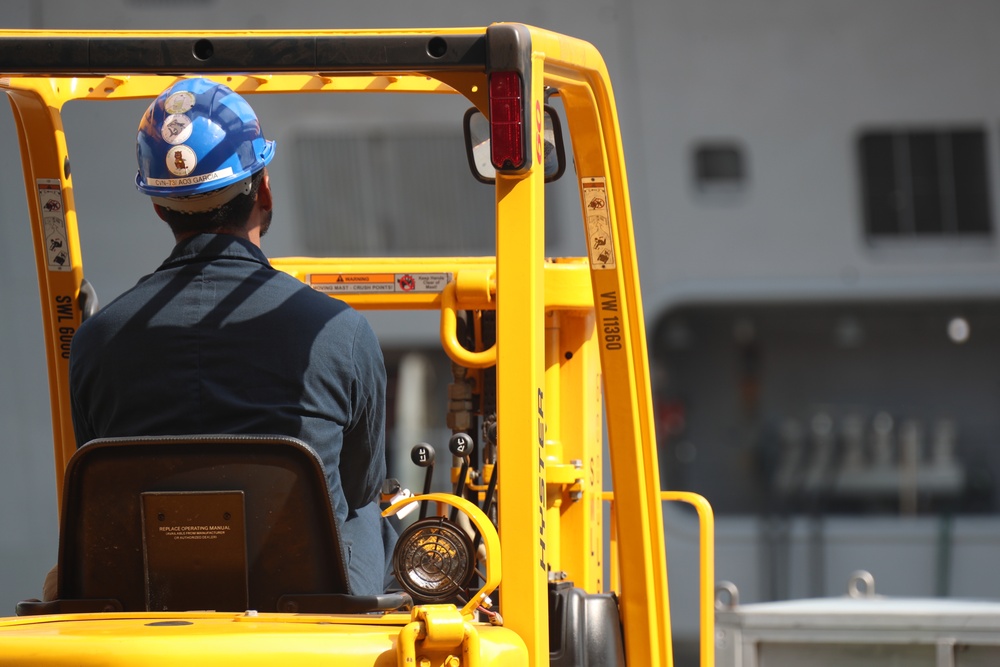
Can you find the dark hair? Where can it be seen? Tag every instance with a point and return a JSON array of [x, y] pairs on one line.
[[231, 216]]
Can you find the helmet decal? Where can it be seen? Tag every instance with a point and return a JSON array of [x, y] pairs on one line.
[[181, 161], [176, 129], [179, 102]]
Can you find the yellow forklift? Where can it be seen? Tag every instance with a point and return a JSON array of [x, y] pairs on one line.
[[176, 550]]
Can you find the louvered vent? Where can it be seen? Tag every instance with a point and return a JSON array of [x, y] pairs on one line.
[[933, 182]]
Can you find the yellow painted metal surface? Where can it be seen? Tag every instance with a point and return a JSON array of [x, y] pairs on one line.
[[706, 569], [43, 160], [567, 280], [442, 628], [521, 396], [119, 640], [706, 565], [585, 89], [574, 353]]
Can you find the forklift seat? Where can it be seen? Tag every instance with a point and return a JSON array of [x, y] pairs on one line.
[[205, 522]]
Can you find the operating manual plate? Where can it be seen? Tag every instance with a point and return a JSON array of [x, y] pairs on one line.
[[195, 551]]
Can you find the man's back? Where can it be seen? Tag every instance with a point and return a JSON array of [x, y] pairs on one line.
[[217, 341]]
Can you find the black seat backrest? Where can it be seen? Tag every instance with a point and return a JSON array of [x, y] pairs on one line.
[[224, 522]]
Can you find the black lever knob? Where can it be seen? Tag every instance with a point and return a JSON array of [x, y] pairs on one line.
[[460, 444]]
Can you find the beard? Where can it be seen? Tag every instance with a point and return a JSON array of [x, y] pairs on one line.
[[265, 223]]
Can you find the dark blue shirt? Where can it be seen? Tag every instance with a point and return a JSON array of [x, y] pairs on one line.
[[218, 341]]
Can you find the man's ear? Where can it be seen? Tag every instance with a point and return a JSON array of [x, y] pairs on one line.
[[264, 192], [159, 212]]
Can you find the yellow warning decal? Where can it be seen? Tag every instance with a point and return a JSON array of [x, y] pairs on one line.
[[353, 278], [359, 283], [50, 199], [600, 237]]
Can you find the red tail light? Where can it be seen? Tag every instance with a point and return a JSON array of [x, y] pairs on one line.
[[506, 121]]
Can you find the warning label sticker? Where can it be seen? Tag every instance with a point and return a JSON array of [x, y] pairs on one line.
[[369, 283], [50, 200], [600, 241]]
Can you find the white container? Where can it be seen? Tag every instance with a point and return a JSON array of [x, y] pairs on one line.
[[860, 629]]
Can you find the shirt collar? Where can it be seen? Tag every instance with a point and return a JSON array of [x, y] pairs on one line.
[[207, 247]]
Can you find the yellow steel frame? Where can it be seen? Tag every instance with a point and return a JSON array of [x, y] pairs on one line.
[[563, 327], [706, 573]]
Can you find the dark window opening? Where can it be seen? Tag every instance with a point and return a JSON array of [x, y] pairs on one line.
[[925, 183], [719, 165]]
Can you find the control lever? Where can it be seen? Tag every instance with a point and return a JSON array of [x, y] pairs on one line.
[[460, 445], [490, 436], [422, 456], [393, 492], [490, 457]]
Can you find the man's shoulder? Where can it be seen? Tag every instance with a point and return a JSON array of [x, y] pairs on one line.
[[340, 317], [309, 296], [116, 311]]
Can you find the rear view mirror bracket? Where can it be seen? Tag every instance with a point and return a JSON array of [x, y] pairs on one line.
[[476, 128]]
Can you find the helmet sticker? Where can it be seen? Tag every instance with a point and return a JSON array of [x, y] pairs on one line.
[[179, 102], [181, 160], [190, 180], [176, 129]]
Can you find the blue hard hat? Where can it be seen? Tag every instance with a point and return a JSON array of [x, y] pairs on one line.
[[196, 137]]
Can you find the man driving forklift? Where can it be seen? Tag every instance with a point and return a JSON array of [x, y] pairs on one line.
[[218, 341]]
